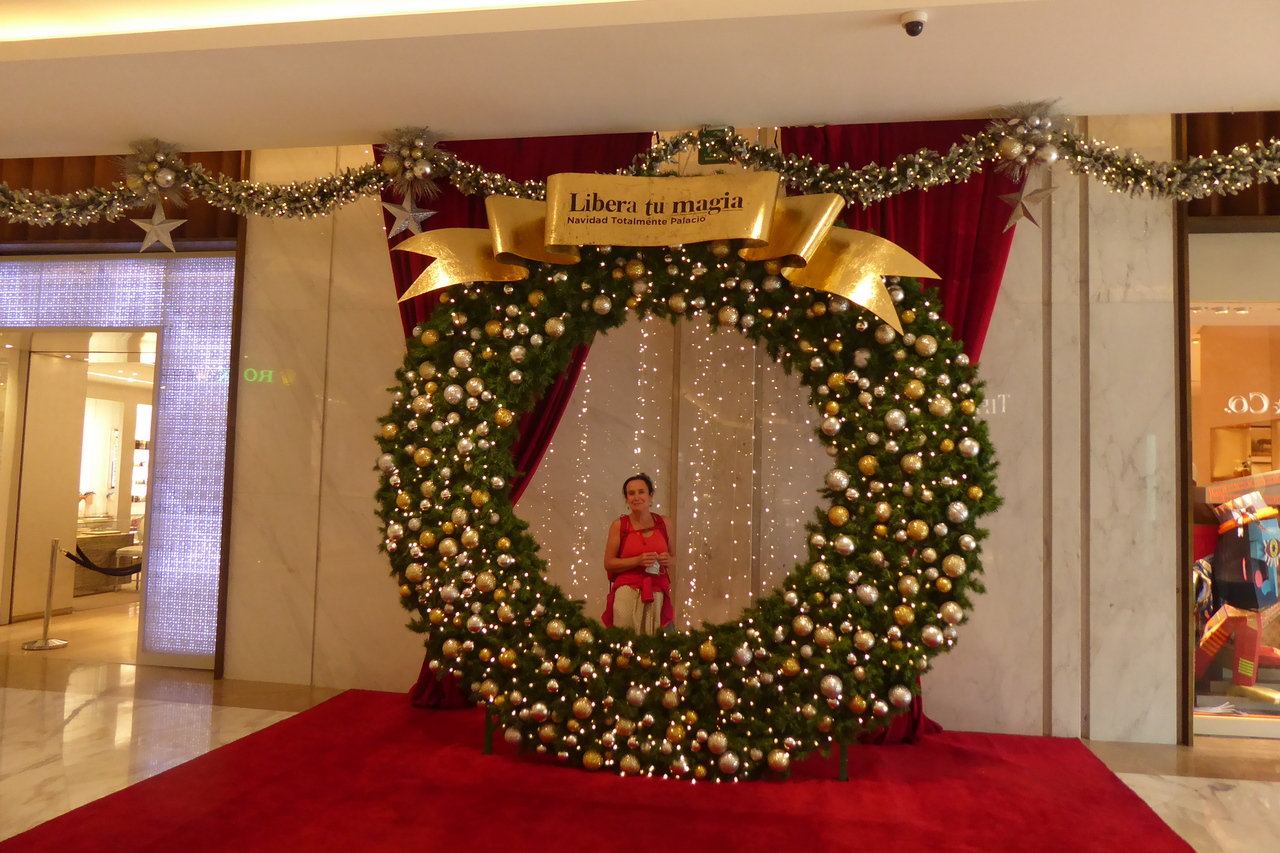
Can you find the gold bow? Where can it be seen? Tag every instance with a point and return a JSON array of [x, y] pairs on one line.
[[798, 232]]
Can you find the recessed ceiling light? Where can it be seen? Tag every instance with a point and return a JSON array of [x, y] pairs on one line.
[[1222, 309], [1242, 310]]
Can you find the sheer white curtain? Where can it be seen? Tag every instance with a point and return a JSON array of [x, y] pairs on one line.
[[727, 438]]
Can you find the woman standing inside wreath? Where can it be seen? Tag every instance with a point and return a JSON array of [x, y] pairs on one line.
[[637, 558]]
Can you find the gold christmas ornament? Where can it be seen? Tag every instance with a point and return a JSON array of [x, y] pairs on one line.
[[493, 328], [507, 657], [947, 445], [470, 539], [904, 614], [868, 465], [913, 390], [629, 765], [422, 457], [536, 297], [403, 500], [917, 529], [582, 708], [857, 704], [556, 629], [943, 584], [953, 565], [968, 407], [975, 493], [479, 498], [406, 591], [675, 733], [390, 431], [504, 544], [707, 651], [485, 581], [791, 667], [435, 616], [838, 516], [503, 417], [592, 760]]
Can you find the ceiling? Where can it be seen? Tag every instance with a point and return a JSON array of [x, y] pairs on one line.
[[253, 74]]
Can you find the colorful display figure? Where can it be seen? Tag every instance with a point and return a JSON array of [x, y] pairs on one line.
[[1244, 583]]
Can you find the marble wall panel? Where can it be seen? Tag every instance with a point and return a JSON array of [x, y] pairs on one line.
[[279, 435], [994, 678], [1133, 520], [361, 639], [1132, 421]]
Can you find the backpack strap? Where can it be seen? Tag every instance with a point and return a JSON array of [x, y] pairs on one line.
[[624, 530]]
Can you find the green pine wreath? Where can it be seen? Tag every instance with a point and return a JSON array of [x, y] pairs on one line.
[[893, 547]]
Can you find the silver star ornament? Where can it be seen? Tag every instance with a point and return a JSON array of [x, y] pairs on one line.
[[159, 229], [407, 216]]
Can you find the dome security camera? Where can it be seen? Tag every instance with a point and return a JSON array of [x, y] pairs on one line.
[[913, 22]]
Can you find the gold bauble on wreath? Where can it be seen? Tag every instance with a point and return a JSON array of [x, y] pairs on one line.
[[556, 679]]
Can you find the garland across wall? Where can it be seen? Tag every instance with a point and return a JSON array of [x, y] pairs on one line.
[[1026, 137]]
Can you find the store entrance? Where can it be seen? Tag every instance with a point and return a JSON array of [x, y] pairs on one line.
[[1235, 445], [83, 454]]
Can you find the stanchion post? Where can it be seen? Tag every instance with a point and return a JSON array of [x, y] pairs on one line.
[[44, 643], [489, 717]]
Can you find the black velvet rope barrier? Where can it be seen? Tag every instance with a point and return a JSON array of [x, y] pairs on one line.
[[80, 558]]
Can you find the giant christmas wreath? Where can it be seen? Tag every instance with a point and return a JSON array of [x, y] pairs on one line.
[[832, 654]]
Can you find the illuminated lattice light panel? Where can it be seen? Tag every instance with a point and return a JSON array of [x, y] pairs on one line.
[[191, 301]]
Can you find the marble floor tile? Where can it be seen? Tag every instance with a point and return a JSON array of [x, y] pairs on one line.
[[1214, 815], [59, 751]]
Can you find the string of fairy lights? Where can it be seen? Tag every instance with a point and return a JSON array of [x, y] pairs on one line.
[[1023, 137]]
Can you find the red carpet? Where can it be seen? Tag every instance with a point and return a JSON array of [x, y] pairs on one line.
[[365, 771]]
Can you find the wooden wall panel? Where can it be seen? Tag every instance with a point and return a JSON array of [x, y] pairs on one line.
[[1221, 132]]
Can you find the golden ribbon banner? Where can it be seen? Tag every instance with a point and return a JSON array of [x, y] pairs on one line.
[[798, 232]]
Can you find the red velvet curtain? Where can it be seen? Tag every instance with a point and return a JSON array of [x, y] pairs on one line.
[[520, 160], [957, 229]]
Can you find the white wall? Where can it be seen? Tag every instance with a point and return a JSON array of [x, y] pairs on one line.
[[1077, 632]]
